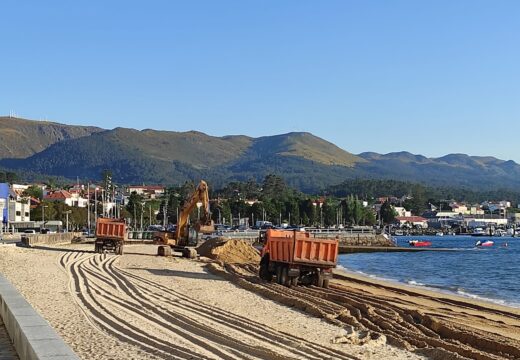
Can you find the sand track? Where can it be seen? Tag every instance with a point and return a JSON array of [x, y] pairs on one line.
[[169, 325], [394, 313]]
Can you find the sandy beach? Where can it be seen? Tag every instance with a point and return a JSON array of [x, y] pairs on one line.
[[140, 306]]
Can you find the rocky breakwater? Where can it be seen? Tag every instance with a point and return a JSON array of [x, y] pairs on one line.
[[358, 239]]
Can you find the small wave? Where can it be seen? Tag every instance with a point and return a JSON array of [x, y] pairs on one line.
[[466, 294], [341, 267], [415, 283]]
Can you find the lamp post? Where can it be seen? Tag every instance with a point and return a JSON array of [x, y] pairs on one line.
[[95, 204], [199, 204], [314, 213], [67, 215], [142, 210], [43, 214]]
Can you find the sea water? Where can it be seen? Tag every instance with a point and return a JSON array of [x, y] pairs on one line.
[[489, 274]]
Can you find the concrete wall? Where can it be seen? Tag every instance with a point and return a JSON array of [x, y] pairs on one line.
[[32, 336], [48, 239]]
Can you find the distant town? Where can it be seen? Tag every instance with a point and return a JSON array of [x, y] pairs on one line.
[[42, 207]]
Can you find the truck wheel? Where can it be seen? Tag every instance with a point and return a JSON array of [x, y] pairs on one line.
[[294, 281], [326, 283], [318, 280], [279, 274], [264, 273], [121, 247], [284, 279]]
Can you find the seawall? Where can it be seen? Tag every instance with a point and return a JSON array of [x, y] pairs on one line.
[[30, 240]]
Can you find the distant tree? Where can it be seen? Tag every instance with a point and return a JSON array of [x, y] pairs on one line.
[[273, 187], [388, 213], [34, 192], [134, 207]]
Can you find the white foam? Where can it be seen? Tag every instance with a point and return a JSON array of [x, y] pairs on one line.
[[482, 298], [415, 283]]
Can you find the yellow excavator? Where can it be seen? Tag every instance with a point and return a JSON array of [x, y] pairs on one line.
[[180, 239]]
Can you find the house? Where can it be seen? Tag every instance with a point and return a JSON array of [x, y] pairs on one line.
[[148, 191], [401, 211], [411, 221], [72, 200], [14, 210]]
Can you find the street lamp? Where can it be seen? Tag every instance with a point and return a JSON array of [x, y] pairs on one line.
[[43, 214], [142, 210], [67, 214], [219, 216], [199, 204]]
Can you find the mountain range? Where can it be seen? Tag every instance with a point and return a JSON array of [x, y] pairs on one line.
[[307, 162]]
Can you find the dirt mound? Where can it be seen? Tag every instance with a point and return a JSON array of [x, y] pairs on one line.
[[229, 251]]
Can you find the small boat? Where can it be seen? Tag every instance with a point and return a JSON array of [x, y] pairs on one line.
[[417, 243], [500, 233], [486, 243], [440, 233], [479, 232]]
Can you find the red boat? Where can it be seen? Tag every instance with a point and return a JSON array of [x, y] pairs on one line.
[[485, 243], [418, 243]]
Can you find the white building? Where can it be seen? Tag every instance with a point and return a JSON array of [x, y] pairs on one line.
[[19, 211], [148, 191], [72, 200], [401, 211]]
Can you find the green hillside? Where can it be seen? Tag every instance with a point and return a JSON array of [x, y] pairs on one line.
[[20, 138], [305, 161]]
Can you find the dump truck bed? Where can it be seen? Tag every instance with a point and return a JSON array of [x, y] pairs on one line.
[[297, 247], [114, 229]]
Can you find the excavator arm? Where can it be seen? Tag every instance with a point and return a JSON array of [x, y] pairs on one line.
[[200, 195]]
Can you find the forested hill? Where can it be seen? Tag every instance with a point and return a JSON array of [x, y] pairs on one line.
[[305, 161], [20, 138]]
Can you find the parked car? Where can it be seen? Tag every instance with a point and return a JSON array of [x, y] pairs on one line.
[[30, 231]]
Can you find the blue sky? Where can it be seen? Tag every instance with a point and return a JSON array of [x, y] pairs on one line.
[[429, 77]]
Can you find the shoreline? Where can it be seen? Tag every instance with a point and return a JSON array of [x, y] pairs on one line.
[[467, 296]]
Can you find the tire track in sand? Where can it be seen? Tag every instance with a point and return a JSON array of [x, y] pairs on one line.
[[427, 334], [169, 325], [101, 317], [142, 287]]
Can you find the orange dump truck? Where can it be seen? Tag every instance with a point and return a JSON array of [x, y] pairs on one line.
[[295, 257], [110, 235]]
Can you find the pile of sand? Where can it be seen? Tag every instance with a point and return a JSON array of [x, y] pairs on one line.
[[229, 251]]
